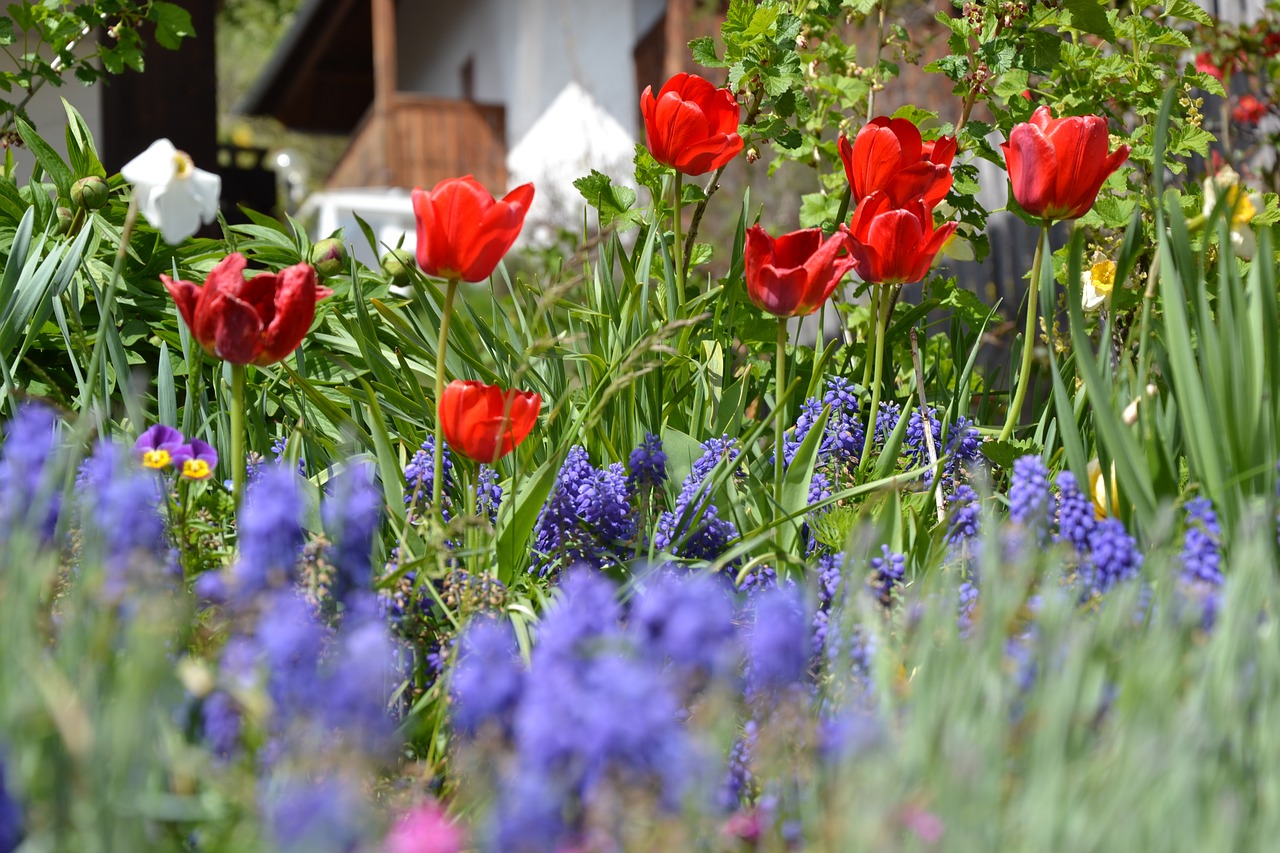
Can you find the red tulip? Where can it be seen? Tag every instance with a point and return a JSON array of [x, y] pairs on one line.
[[794, 274], [1057, 166], [691, 126], [892, 245], [463, 231], [259, 321], [485, 423], [890, 155], [1249, 110]]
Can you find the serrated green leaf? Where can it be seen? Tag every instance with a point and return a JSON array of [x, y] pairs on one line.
[[173, 23], [705, 54], [1090, 16], [1188, 10]]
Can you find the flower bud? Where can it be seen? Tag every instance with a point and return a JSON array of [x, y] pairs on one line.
[[65, 218], [90, 193], [397, 264], [329, 257]]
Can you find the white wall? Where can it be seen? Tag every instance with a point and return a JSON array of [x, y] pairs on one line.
[[563, 69]]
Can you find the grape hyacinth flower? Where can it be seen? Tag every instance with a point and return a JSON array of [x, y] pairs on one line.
[[124, 508], [326, 815], [356, 685], [647, 465], [1113, 557], [221, 721], [587, 614], [887, 573], [966, 517], [28, 491], [1201, 559], [1030, 501], [351, 515], [693, 529], [418, 475], [290, 641], [778, 645], [488, 493], [10, 817], [488, 679], [271, 534], [687, 621], [588, 520], [1076, 516]]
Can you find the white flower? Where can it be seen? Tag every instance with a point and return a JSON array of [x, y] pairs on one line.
[[174, 196], [1242, 206], [1096, 284]]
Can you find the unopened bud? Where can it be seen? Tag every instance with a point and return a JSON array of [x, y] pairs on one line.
[[398, 265], [753, 154], [65, 218], [329, 257], [90, 193]]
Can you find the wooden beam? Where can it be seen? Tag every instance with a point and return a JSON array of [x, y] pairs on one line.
[[676, 37], [384, 82]]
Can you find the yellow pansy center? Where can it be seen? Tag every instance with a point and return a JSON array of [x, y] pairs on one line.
[[156, 459], [183, 165], [1103, 276], [196, 469], [1242, 209]]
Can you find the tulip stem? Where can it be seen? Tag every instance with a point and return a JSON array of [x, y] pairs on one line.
[[873, 333], [437, 468], [238, 458], [1028, 338], [882, 301], [677, 249], [779, 422]]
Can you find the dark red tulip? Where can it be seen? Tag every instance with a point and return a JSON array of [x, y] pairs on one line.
[[889, 155], [463, 231], [893, 245], [485, 423], [691, 126], [793, 275], [259, 321], [1057, 165]]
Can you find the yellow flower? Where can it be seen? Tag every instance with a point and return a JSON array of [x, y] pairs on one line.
[[1241, 207], [1096, 283], [156, 459], [196, 469], [1104, 494]]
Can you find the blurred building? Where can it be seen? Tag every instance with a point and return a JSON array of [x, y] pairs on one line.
[[509, 91]]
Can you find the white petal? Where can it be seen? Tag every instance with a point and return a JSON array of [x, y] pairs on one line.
[[148, 198], [179, 216], [1244, 243], [153, 166], [1090, 297], [205, 187]]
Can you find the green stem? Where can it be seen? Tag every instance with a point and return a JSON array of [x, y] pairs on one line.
[[871, 337], [882, 302], [677, 253], [108, 300], [779, 422], [1028, 337], [237, 432], [437, 469]]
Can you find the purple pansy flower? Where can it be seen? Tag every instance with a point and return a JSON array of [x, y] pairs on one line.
[[196, 459], [156, 447]]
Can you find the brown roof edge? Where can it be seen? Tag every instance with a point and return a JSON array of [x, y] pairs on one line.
[[289, 87]]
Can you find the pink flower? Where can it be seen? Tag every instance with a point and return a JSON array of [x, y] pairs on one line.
[[426, 829]]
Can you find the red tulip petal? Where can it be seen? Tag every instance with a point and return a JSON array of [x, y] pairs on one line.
[[866, 211], [227, 276], [1042, 119], [777, 291], [1080, 145], [896, 236], [929, 251], [941, 150], [499, 227], [295, 308], [724, 111], [1033, 167], [238, 331], [757, 250], [930, 181], [260, 293], [797, 248], [185, 294], [877, 152]]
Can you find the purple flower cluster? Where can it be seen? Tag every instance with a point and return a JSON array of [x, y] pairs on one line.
[[1030, 501], [1200, 578], [270, 534], [887, 573], [588, 519], [10, 817], [647, 465], [418, 477], [693, 530], [488, 493], [351, 514], [29, 491], [1076, 516], [594, 710], [962, 446], [122, 507]]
